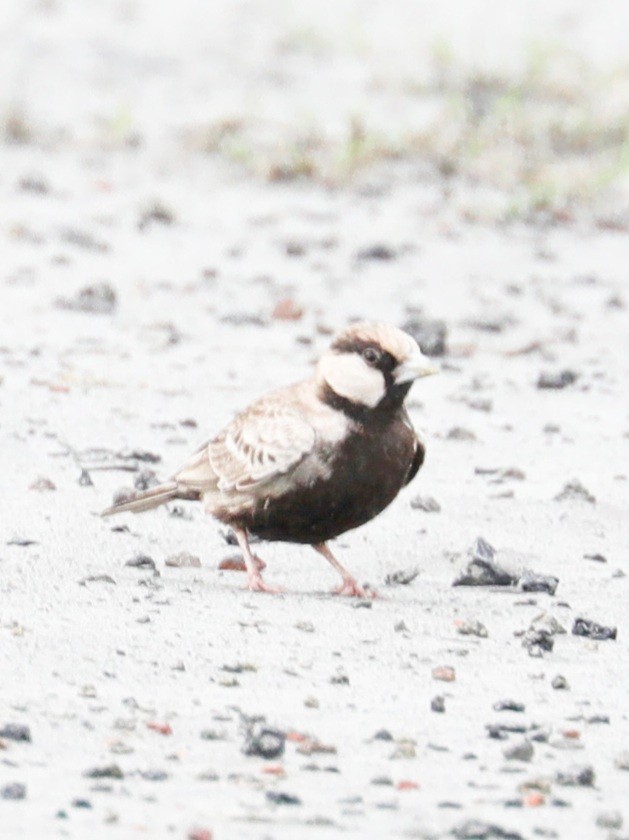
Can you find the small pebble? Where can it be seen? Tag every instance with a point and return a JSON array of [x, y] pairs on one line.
[[15, 732], [141, 561], [560, 683], [425, 503], [281, 798], [15, 791], [592, 630], [438, 704], [575, 491], [557, 381], [264, 742], [522, 751], [444, 673], [576, 777], [183, 560]]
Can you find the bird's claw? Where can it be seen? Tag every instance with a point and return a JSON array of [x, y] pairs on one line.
[[256, 584], [351, 588]]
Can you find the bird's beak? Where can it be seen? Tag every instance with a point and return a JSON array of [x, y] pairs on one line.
[[414, 368]]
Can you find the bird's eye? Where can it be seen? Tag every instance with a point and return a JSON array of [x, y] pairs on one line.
[[371, 355]]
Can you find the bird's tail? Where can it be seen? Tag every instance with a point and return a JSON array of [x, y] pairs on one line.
[[152, 498]]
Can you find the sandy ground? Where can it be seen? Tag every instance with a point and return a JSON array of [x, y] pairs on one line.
[[160, 672]]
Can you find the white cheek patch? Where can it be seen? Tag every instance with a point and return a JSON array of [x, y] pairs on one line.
[[351, 377]]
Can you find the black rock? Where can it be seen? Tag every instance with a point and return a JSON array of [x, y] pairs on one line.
[[15, 732], [402, 577], [438, 704], [598, 558], [140, 455], [477, 830], [431, 335], [560, 683], [501, 731], [16, 790], [482, 570], [376, 252], [585, 627], [141, 561], [538, 641], [557, 380], [264, 742], [280, 798], [576, 777], [532, 582], [508, 706], [81, 803], [383, 735], [110, 771], [85, 479]]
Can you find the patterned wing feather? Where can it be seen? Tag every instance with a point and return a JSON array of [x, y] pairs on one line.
[[260, 444]]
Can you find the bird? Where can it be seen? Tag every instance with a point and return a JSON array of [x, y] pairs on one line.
[[308, 462]]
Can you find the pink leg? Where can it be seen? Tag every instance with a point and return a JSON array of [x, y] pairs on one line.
[[350, 585], [253, 564]]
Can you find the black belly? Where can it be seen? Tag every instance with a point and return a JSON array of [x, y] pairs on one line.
[[367, 473]]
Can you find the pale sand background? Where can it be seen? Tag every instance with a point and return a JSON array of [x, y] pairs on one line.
[[103, 103]]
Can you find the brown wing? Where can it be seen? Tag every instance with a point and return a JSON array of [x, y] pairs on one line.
[[265, 441]]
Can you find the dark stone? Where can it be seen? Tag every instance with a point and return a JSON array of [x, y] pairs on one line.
[[532, 582], [501, 731], [383, 735], [156, 213], [15, 732], [85, 479], [560, 683], [376, 252], [141, 561], [16, 790], [430, 334], [508, 706], [576, 777], [585, 627], [81, 803], [264, 742], [110, 771], [140, 455], [557, 380], [538, 641], [280, 798], [402, 577], [482, 570], [478, 830], [438, 704]]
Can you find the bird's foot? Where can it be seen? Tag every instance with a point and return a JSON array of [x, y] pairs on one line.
[[256, 584], [353, 589]]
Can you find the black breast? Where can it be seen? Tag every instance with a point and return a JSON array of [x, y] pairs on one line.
[[366, 474]]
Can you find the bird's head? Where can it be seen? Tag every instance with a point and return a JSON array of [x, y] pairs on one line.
[[371, 365]]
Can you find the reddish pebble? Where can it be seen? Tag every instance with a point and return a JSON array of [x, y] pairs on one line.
[[287, 310], [232, 564], [162, 728], [574, 734], [296, 737], [406, 784], [445, 673], [533, 800], [200, 834], [274, 770]]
